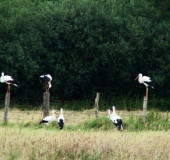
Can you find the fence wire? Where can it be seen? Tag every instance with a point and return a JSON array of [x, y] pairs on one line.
[[32, 112], [71, 117]]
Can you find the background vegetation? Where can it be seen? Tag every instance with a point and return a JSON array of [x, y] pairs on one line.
[[87, 46]]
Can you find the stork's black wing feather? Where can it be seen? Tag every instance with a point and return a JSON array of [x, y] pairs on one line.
[[152, 84]]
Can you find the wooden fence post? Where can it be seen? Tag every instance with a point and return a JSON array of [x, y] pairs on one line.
[[7, 101], [144, 113], [46, 103], [97, 105]]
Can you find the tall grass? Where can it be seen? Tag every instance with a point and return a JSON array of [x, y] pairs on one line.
[[44, 144], [85, 137]]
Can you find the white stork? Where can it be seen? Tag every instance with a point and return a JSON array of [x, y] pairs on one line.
[[47, 120], [47, 79], [61, 119], [146, 81], [7, 79], [116, 119]]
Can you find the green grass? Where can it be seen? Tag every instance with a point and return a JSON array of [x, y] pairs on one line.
[[156, 121]]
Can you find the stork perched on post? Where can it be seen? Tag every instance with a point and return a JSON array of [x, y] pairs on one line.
[[146, 81], [47, 79], [116, 119], [7, 79]]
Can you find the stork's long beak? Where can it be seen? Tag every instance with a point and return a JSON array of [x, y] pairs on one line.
[[136, 78]]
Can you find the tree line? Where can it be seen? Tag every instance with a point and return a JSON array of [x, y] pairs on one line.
[[87, 46]]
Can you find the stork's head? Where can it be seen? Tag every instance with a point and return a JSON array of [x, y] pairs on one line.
[[1, 78], [139, 75], [54, 112], [108, 111]]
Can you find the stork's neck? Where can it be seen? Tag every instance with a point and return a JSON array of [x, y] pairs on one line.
[[108, 113], [49, 83], [139, 77], [61, 111], [2, 76], [113, 110]]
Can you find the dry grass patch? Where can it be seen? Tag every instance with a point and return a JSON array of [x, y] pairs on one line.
[[17, 143]]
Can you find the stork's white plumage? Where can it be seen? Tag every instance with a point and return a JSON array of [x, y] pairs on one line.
[[7, 79], [47, 120], [61, 119], [47, 78], [116, 119], [146, 81]]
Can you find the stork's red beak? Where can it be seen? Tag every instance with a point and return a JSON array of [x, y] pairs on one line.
[[136, 78]]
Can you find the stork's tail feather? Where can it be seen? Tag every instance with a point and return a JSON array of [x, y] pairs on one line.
[[121, 128], [61, 124], [153, 85], [120, 125]]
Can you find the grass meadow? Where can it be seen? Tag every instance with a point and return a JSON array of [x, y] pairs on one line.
[[84, 137]]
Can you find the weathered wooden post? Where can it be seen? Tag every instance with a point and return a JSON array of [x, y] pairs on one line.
[[97, 105], [7, 101], [144, 113], [46, 103]]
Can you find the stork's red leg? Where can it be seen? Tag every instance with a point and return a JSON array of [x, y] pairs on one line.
[[146, 92], [48, 88], [8, 90]]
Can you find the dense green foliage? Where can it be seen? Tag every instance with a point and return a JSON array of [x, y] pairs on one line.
[[86, 45]]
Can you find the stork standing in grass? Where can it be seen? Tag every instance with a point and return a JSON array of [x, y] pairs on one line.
[[146, 81], [61, 119], [47, 120], [116, 119], [7, 79], [47, 78]]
